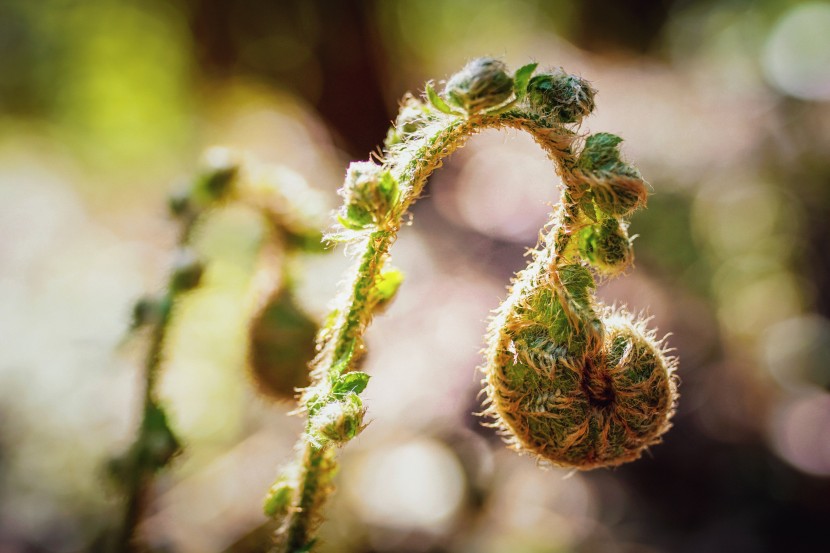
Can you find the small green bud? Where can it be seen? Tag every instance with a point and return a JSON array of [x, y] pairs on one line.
[[179, 203], [147, 310], [351, 382], [339, 421], [279, 498], [187, 271], [152, 451], [213, 183], [522, 77], [220, 167], [387, 285], [482, 84], [566, 98], [118, 469], [602, 154], [617, 187], [437, 102], [411, 117], [606, 246], [159, 444], [370, 192]]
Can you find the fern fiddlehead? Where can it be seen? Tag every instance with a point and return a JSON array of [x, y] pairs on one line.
[[225, 179], [573, 382]]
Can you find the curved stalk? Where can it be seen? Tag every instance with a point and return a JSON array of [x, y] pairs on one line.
[[377, 197]]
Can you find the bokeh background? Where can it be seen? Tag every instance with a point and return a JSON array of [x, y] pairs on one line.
[[104, 105]]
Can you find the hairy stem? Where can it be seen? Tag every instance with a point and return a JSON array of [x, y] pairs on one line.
[[346, 336]]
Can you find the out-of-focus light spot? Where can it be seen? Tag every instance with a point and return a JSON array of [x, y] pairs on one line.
[[207, 339], [544, 506], [796, 57], [797, 353], [220, 501], [443, 317], [425, 28], [503, 190], [730, 406], [65, 285], [274, 128], [755, 305], [800, 433], [123, 96], [38, 209], [532, 503], [736, 215], [418, 485], [646, 104], [636, 292], [724, 49]]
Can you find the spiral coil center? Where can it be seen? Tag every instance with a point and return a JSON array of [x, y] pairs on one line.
[[597, 384]]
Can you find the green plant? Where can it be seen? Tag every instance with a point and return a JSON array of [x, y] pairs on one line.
[[573, 382], [279, 328]]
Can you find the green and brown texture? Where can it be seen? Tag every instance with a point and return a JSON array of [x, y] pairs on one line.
[[280, 337], [573, 382], [569, 380]]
